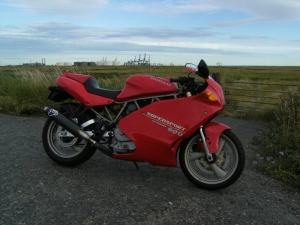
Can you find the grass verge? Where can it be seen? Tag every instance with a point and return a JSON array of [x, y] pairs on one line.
[[279, 146]]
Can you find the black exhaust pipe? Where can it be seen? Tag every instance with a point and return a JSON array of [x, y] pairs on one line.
[[74, 129]]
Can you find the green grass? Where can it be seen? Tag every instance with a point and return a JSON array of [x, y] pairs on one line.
[[253, 73], [23, 90]]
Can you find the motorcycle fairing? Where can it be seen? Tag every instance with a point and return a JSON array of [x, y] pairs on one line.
[[73, 84], [138, 86], [157, 128], [78, 77], [82, 88]]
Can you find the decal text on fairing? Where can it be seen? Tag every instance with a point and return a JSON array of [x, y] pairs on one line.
[[172, 127], [161, 81]]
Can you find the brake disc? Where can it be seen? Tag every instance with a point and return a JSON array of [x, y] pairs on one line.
[[65, 138], [203, 165]]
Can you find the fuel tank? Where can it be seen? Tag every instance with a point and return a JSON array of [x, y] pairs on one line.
[[139, 86]]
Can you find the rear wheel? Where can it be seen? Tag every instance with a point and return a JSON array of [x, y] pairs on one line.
[[63, 148], [227, 167]]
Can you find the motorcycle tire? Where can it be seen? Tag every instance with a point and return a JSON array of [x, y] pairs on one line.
[[65, 150], [226, 169]]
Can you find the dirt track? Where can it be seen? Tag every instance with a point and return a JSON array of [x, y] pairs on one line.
[[34, 190]]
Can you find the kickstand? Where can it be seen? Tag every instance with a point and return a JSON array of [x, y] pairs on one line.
[[136, 165]]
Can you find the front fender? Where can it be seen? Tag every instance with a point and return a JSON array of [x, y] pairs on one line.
[[213, 132]]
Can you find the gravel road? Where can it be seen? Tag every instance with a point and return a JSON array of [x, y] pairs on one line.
[[35, 190]]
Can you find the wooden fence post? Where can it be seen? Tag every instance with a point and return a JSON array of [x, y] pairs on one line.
[[217, 77]]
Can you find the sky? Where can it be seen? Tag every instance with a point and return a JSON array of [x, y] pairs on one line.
[[232, 32]]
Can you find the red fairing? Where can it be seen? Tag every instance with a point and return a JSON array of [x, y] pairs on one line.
[[73, 84], [138, 86], [78, 77], [159, 128]]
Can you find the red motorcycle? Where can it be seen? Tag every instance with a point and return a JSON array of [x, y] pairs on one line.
[[152, 120]]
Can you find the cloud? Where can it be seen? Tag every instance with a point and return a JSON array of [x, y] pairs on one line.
[[229, 47], [254, 11], [166, 7], [259, 11], [65, 32], [267, 9], [70, 8], [249, 37], [61, 38]]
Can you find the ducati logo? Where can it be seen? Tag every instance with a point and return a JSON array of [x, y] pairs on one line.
[[52, 112], [161, 81]]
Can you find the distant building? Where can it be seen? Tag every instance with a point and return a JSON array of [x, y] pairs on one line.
[[36, 63], [85, 64], [33, 64]]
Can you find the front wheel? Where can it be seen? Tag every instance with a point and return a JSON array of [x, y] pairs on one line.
[[227, 167]]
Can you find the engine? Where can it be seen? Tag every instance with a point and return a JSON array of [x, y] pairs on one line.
[[121, 143]]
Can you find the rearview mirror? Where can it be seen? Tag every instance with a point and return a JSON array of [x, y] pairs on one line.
[[191, 67]]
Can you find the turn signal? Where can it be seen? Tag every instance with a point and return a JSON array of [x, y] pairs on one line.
[[210, 97]]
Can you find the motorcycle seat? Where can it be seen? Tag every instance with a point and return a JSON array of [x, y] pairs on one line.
[[92, 86]]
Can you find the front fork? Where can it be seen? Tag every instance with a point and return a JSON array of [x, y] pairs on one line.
[[209, 156], [210, 135]]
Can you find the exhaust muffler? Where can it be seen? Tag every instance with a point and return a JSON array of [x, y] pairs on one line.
[[74, 129]]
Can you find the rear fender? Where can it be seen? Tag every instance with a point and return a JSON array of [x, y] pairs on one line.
[[213, 132], [58, 94]]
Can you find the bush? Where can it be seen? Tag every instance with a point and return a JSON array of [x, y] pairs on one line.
[[279, 145]]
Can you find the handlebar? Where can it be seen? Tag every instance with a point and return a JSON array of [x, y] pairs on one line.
[[183, 80], [179, 80]]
